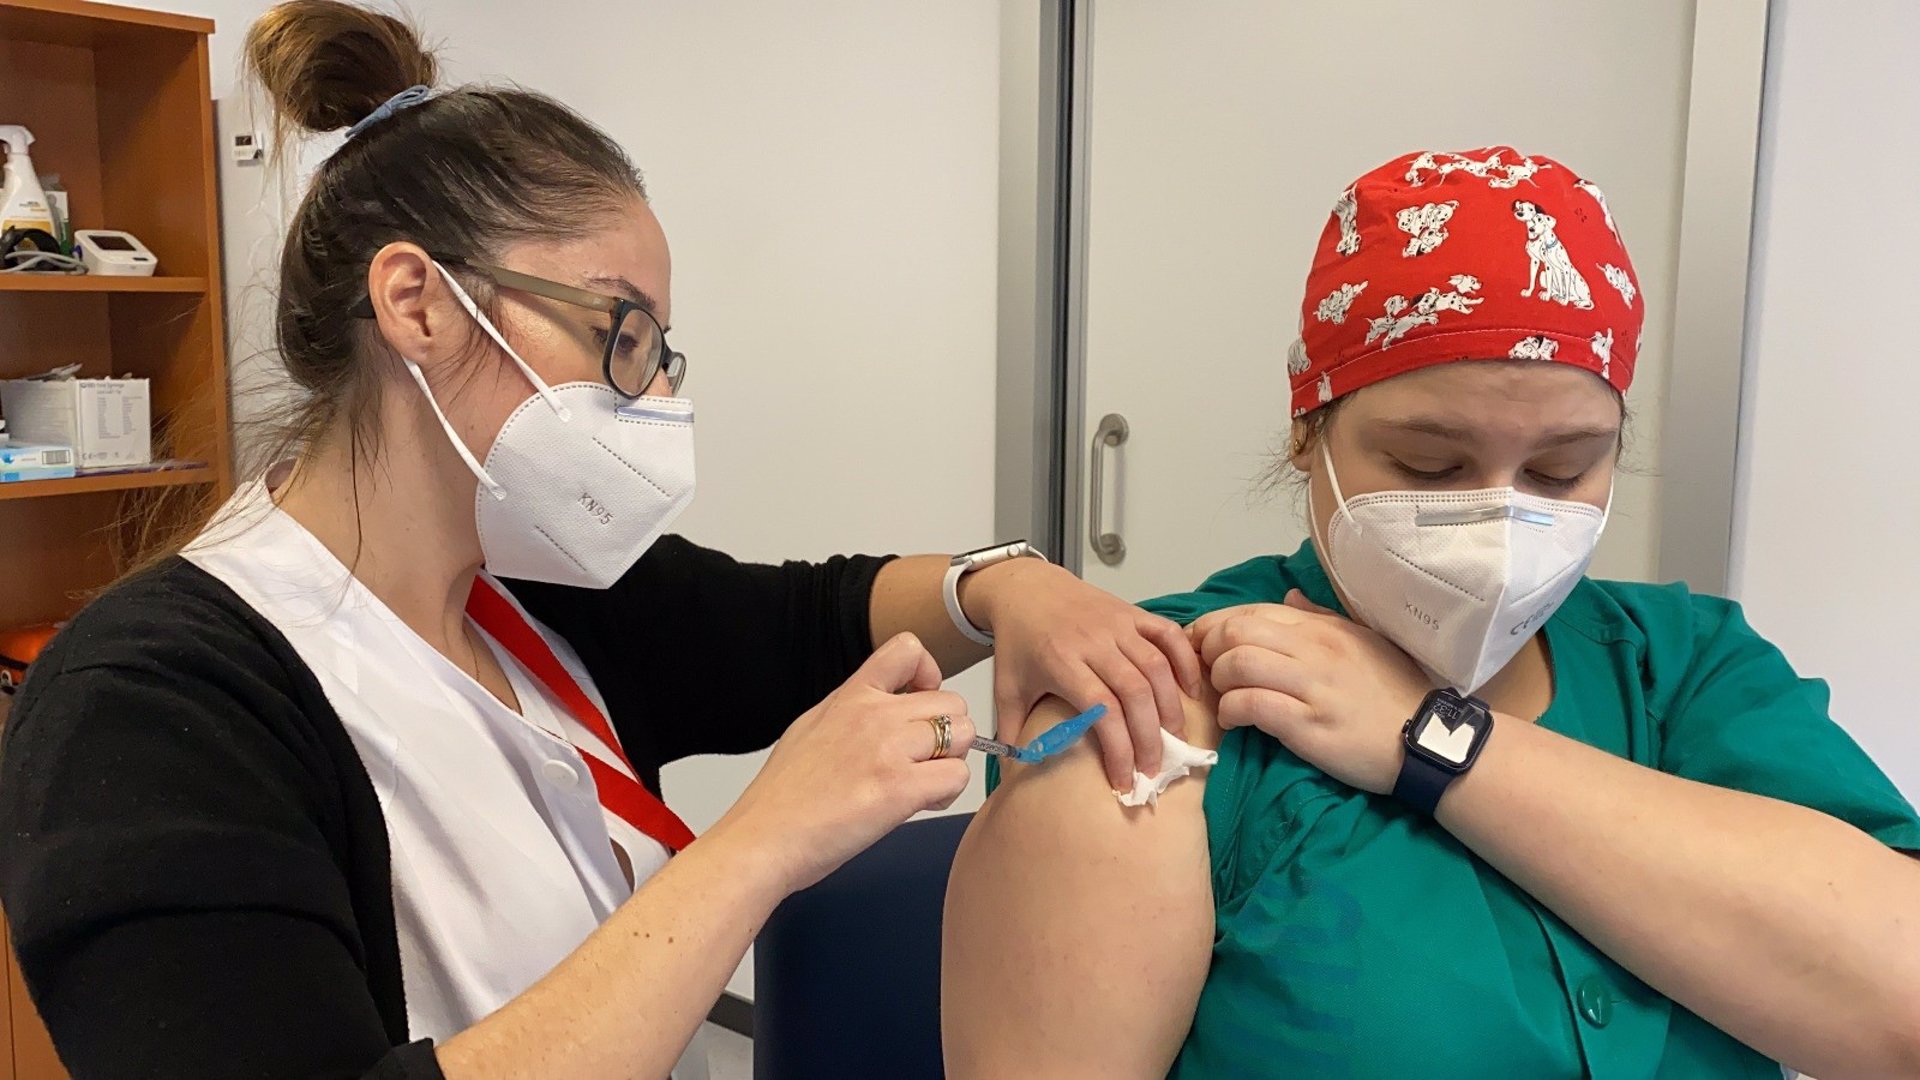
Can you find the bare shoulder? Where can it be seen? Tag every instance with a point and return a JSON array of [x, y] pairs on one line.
[[1077, 930]]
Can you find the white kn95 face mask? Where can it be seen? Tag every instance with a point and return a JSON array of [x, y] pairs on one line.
[[1458, 579], [580, 481]]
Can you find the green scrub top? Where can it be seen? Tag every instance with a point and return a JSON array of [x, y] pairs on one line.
[[1357, 939]]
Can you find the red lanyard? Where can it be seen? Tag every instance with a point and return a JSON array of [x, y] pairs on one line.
[[621, 794]]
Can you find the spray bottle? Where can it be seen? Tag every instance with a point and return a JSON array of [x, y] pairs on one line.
[[22, 204]]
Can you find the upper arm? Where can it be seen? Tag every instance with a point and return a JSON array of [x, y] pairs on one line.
[[1078, 932], [174, 901], [1744, 719]]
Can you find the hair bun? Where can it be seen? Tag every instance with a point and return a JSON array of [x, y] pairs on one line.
[[327, 64]]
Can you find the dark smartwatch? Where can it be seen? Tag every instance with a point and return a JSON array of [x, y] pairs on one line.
[[1443, 740]]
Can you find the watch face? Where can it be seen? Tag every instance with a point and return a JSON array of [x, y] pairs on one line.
[[1452, 743]]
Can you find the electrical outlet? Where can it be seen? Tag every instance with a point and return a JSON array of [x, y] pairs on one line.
[[248, 149]]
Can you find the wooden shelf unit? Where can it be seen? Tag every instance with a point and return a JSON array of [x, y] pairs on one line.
[[120, 104], [119, 101], [128, 481], [88, 283]]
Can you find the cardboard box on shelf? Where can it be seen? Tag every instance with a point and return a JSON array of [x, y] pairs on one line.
[[106, 421]]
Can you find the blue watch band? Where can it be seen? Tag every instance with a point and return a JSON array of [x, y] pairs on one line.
[[1422, 783]]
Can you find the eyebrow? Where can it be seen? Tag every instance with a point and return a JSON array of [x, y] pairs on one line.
[[628, 289], [1421, 425]]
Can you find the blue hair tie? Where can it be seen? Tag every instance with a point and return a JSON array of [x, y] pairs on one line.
[[405, 99]]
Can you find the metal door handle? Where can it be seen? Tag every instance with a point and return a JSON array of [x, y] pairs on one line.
[[1110, 548]]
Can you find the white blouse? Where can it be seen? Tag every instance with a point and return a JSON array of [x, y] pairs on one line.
[[502, 855]]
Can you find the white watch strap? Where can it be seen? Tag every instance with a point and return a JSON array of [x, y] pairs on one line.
[[950, 592]]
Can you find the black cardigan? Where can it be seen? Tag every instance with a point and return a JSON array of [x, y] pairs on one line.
[[192, 858]]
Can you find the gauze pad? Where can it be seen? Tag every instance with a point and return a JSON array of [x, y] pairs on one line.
[[1177, 759]]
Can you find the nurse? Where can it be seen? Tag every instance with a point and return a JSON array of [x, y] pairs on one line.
[[365, 780], [1475, 814]]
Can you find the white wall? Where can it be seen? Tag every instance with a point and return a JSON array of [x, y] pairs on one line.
[[828, 178], [1827, 512]]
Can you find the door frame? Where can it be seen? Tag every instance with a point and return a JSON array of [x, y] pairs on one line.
[[1040, 464], [1043, 233]]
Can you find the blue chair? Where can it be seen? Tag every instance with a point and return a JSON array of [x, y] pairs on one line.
[[846, 974]]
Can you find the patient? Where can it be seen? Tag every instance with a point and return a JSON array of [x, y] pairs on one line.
[[1621, 839]]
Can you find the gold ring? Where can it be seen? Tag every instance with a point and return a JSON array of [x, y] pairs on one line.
[[942, 736]]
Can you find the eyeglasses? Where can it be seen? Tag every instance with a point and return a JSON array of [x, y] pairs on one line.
[[635, 349]]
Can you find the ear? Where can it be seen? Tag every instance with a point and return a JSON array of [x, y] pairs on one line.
[[411, 303], [1301, 446]]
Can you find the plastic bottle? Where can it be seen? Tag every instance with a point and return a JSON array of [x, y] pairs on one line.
[[22, 204]]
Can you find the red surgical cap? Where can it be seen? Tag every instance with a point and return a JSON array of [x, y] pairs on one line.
[[1483, 255]]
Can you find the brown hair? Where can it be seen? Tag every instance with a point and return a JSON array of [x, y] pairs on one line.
[[466, 173], [1300, 436]]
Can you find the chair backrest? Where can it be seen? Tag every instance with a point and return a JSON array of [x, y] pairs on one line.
[[846, 974]]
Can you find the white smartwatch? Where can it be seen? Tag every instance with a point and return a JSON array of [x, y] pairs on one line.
[[962, 565]]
